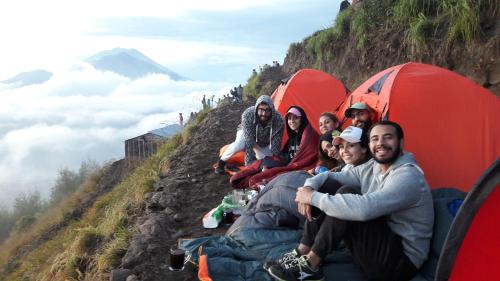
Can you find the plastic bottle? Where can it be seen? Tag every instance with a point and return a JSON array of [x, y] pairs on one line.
[[213, 217]]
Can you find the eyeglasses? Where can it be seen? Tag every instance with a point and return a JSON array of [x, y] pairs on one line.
[[263, 110]]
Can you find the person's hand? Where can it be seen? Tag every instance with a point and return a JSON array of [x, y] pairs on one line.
[[304, 195], [305, 210]]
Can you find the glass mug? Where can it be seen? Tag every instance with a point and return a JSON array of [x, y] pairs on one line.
[[177, 258], [228, 217]]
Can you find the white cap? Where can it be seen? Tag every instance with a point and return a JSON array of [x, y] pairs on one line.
[[350, 134]]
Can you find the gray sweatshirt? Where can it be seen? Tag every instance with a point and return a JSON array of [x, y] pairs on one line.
[[401, 193]]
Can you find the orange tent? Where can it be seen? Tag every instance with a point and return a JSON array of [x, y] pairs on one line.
[[449, 121], [313, 90]]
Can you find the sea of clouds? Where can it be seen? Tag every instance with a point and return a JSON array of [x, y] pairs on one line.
[[82, 113]]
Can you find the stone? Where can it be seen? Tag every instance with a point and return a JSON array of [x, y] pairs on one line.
[[154, 226], [168, 211], [132, 277], [120, 274], [494, 74], [179, 234], [136, 253], [178, 217]]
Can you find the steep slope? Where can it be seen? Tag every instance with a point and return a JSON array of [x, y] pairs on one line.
[[187, 191], [377, 35], [79, 203]]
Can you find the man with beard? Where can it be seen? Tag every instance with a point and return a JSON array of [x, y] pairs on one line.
[[361, 115], [259, 134], [382, 210]]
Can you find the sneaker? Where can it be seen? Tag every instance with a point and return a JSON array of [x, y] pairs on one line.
[[296, 269], [287, 257], [221, 168]]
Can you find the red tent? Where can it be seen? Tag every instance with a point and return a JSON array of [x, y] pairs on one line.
[[449, 121], [472, 245], [313, 90]]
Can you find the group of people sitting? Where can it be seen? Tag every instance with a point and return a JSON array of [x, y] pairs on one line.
[[364, 190]]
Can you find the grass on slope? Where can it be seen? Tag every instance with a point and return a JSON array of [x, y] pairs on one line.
[[420, 20], [88, 248]]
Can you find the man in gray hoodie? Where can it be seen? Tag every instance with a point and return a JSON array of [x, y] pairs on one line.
[[259, 136], [383, 211]]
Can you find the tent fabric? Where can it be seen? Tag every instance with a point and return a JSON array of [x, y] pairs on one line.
[[237, 159], [313, 90], [472, 246], [449, 121], [305, 159]]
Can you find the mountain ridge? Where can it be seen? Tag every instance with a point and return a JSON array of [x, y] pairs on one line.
[[27, 78], [130, 63], [127, 62]]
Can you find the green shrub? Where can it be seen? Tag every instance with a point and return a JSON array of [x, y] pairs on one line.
[[463, 20], [342, 24], [250, 90], [488, 7], [360, 27], [420, 29], [407, 12], [317, 43], [459, 18], [293, 49]]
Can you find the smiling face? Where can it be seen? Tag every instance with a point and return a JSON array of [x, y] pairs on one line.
[[329, 149], [293, 122], [385, 145], [264, 112], [361, 118], [326, 124], [352, 153]]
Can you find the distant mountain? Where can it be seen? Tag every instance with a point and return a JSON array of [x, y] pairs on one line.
[[22, 79], [130, 63]]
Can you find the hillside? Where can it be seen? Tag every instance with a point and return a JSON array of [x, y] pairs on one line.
[[129, 227], [463, 36], [88, 242]]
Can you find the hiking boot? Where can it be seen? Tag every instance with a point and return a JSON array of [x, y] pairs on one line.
[[294, 254], [221, 168], [296, 269]]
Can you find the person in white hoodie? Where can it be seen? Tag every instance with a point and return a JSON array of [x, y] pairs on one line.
[[383, 211]]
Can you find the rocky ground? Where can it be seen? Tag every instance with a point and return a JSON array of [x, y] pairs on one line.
[[186, 192]]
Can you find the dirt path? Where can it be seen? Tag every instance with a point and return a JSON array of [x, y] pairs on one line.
[[182, 197]]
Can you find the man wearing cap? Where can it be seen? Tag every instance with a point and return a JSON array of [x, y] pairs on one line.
[[260, 134], [361, 115], [383, 212]]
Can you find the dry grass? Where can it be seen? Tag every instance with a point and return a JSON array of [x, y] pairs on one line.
[[88, 248], [52, 217]]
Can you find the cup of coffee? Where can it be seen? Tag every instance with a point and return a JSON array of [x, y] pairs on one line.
[[177, 257], [228, 216]]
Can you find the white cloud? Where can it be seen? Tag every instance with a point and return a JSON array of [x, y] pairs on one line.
[[84, 113], [48, 34]]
